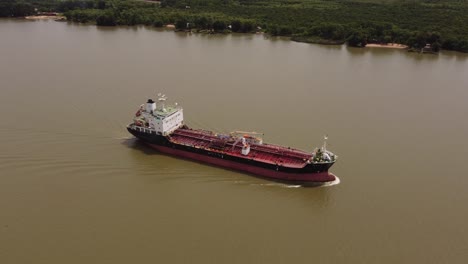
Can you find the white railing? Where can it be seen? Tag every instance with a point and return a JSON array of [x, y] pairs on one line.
[[143, 129]]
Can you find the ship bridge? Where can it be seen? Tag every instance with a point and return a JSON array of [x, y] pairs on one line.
[[159, 118]]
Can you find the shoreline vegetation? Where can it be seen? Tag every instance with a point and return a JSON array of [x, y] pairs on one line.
[[417, 25]]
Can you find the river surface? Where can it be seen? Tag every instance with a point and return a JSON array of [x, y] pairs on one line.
[[75, 187]]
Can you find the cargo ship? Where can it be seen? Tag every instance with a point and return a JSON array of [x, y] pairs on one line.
[[162, 127]]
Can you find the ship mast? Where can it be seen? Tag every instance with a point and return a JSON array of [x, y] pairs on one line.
[[324, 146], [162, 99]]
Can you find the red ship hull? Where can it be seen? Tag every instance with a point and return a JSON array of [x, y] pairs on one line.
[[315, 177]]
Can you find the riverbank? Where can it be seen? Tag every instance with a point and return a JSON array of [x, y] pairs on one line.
[[316, 40], [320, 22], [330, 22], [301, 39]]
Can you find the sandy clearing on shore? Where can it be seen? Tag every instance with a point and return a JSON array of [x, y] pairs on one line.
[[387, 46], [44, 17]]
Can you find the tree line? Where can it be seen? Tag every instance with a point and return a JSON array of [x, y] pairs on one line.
[[441, 23]]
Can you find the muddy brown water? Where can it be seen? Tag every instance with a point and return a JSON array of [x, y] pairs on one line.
[[75, 187]]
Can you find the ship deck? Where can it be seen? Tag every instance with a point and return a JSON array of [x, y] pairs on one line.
[[266, 153]]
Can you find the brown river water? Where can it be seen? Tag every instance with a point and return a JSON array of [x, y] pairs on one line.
[[75, 187]]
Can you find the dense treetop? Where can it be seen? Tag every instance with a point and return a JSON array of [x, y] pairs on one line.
[[442, 23]]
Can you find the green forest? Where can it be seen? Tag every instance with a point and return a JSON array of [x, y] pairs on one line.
[[441, 23]]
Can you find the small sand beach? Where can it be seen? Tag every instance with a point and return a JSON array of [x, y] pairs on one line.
[[45, 17], [387, 46]]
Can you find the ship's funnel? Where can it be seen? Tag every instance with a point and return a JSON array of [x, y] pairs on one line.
[[150, 106]]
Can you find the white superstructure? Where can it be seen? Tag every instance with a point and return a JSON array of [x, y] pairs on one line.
[[159, 118]]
